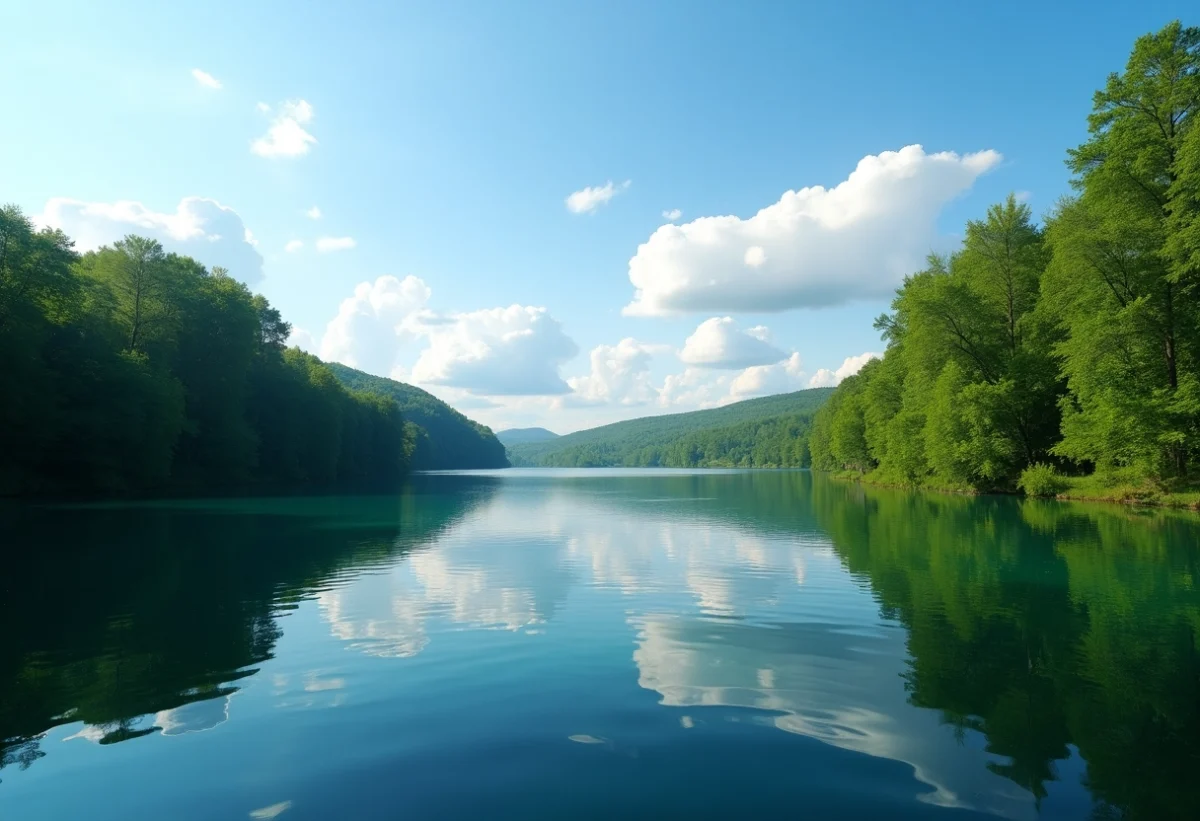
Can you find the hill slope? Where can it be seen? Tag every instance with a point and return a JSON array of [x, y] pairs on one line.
[[522, 436], [447, 439], [766, 432]]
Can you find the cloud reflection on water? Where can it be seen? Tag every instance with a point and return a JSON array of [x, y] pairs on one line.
[[723, 615]]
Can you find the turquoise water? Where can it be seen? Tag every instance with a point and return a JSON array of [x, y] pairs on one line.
[[600, 644]]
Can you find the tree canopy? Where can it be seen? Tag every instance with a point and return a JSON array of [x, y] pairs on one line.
[[1074, 344], [132, 370]]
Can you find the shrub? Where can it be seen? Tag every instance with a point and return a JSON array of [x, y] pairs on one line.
[[1041, 480]]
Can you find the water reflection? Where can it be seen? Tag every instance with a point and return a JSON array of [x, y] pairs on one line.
[[818, 684], [160, 610], [1017, 658], [195, 717]]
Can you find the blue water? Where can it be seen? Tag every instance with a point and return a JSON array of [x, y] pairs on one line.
[[600, 644]]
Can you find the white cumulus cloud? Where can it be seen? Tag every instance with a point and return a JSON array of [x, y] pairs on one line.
[[589, 199], [513, 351], [765, 380], [201, 228], [205, 79], [825, 378], [695, 388], [372, 325], [327, 244], [293, 246], [313, 213], [672, 214], [815, 247], [620, 375], [719, 343], [708, 388], [287, 135]]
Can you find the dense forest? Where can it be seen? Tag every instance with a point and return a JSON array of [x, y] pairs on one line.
[[131, 370], [521, 436], [442, 438], [1063, 357], [769, 432]]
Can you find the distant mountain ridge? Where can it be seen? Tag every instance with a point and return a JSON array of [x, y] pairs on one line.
[[521, 436], [771, 431], [445, 439]]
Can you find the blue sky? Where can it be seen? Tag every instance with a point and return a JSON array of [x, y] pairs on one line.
[[444, 140]]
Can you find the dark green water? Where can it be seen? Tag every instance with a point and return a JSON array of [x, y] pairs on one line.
[[556, 644]]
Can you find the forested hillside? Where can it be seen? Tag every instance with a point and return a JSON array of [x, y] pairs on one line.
[[444, 439], [130, 370], [521, 436], [767, 432], [1062, 357]]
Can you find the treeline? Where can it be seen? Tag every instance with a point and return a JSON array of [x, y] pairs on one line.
[[777, 442], [770, 431], [1038, 353], [131, 370]]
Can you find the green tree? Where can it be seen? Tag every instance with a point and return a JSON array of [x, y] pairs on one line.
[[1130, 353], [136, 271], [131, 370]]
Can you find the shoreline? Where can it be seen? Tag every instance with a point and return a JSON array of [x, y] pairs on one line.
[[1124, 494]]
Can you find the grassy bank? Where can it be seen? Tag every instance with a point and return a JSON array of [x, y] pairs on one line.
[[1173, 494], [1183, 495]]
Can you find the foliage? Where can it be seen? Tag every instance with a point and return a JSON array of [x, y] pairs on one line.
[[1123, 278], [966, 393], [1041, 480], [447, 440], [519, 436], [1076, 347], [131, 370], [766, 432]]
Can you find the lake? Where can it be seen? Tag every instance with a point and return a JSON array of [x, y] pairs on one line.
[[600, 644]]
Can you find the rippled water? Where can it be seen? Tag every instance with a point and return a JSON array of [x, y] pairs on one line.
[[600, 644]]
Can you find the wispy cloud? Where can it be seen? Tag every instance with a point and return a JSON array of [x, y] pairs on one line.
[[313, 213], [672, 215], [589, 199], [293, 246], [205, 79]]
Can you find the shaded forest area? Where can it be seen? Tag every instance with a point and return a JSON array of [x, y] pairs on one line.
[[131, 370], [442, 438], [1064, 358]]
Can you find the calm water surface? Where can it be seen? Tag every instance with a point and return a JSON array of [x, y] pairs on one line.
[[601, 644]]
